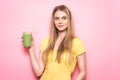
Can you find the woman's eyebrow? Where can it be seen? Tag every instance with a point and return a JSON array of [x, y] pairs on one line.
[[64, 16], [61, 17]]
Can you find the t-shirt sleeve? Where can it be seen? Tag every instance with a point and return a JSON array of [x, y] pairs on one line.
[[78, 47], [44, 44]]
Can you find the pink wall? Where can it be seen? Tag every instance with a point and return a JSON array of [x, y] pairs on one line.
[[97, 24]]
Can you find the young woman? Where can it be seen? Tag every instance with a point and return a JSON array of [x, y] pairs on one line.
[[61, 50]]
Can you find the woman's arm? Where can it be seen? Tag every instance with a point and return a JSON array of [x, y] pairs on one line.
[[82, 67], [37, 65]]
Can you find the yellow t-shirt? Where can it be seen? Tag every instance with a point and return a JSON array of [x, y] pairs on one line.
[[62, 70]]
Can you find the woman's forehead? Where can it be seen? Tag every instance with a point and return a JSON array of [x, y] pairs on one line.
[[60, 13]]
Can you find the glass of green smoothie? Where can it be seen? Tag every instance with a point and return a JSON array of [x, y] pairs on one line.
[[27, 39]]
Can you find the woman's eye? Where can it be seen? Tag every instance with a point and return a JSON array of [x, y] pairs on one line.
[[64, 17], [56, 18]]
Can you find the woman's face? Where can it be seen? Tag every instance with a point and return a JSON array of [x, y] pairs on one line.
[[61, 20]]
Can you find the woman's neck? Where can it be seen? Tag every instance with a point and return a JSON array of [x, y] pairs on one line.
[[61, 35]]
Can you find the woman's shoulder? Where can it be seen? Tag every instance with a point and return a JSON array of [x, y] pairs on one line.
[[44, 43], [76, 39], [45, 40], [77, 42]]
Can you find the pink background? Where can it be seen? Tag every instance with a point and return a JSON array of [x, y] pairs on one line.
[[97, 23]]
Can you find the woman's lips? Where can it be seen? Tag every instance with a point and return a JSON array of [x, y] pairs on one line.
[[60, 25]]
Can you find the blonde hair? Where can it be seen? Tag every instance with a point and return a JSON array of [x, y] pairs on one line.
[[66, 44]]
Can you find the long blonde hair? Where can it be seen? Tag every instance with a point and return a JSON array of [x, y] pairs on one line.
[[66, 44]]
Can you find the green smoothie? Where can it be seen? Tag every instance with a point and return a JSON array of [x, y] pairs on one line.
[[27, 37]]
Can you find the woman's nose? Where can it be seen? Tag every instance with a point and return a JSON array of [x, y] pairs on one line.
[[60, 21]]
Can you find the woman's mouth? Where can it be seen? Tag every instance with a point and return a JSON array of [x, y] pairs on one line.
[[60, 26]]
